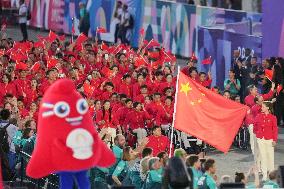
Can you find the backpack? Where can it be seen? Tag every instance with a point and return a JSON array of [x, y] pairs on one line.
[[4, 145], [202, 183]]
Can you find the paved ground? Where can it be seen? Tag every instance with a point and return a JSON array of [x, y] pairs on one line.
[[235, 160]]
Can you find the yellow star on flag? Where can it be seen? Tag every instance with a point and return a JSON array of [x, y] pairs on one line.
[[185, 88]]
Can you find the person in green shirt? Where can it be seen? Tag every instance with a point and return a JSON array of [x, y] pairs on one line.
[[194, 165], [117, 149], [232, 84], [121, 175], [181, 153], [271, 182], [207, 181], [154, 177]]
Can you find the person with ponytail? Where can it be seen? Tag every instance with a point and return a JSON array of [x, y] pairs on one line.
[[266, 131], [106, 120]]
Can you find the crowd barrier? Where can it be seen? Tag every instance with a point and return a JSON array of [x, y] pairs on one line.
[[172, 24], [219, 44]]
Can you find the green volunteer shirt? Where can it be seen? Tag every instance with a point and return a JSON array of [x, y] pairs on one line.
[[119, 168], [117, 152], [210, 182], [270, 184], [196, 176], [155, 175], [232, 88]]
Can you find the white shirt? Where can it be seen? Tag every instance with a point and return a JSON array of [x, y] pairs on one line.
[[11, 131], [125, 16], [23, 11]]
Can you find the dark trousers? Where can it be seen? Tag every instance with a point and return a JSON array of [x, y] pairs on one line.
[[24, 31], [116, 33], [122, 35]]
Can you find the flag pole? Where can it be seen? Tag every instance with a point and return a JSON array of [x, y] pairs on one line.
[[73, 28], [174, 116], [148, 44]]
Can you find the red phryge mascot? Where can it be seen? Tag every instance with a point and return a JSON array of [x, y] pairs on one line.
[[67, 143]]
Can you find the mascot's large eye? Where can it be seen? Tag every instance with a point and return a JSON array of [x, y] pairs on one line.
[[61, 109], [82, 106]]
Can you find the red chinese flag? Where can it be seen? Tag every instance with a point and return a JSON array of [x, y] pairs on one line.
[[61, 37], [157, 63], [101, 30], [21, 66], [39, 44], [142, 31], [207, 61], [268, 74], [35, 67], [51, 63], [106, 71], [81, 39], [104, 47], [52, 36], [140, 61], [206, 115], [145, 42], [2, 52], [88, 89], [153, 43], [193, 57], [278, 89], [154, 54]]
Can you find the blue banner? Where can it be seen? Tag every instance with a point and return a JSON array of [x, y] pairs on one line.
[[219, 44]]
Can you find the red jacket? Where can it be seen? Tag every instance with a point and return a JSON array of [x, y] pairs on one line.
[[165, 85], [105, 95], [125, 88], [121, 113], [8, 88], [110, 120], [163, 118], [265, 126], [249, 100], [136, 119], [140, 98], [158, 144], [45, 85], [206, 83], [31, 96], [21, 86]]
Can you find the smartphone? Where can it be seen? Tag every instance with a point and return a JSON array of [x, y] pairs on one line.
[[106, 56]]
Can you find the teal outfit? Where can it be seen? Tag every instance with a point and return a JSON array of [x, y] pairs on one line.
[[206, 181], [270, 184], [250, 186], [118, 155], [122, 172], [117, 152], [196, 176], [82, 12], [98, 177], [232, 88], [18, 139], [120, 168], [154, 179], [134, 175]]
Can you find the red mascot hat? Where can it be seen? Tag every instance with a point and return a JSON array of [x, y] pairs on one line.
[[66, 137]]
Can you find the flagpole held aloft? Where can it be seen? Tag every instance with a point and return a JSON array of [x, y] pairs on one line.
[[173, 123]]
